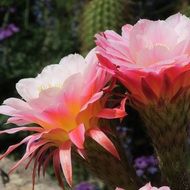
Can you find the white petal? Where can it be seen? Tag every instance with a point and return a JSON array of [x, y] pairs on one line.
[[28, 88]]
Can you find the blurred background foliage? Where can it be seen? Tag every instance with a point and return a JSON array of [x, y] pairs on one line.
[[35, 33]]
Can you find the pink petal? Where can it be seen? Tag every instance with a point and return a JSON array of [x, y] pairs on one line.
[[18, 129], [31, 143], [112, 35], [18, 120], [164, 188], [17, 104], [65, 160], [82, 153], [94, 98], [111, 113], [146, 187], [126, 31], [91, 57], [7, 110], [110, 67], [103, 140], [77, 136], [32, 149]]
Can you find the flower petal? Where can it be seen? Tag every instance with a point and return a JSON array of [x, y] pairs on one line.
[[96, 134], [18, 129], [82, 153], [65, 160], [77, 136], [111, 113], [30, 149]]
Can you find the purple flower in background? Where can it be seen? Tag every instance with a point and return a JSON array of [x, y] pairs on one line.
[[152, 160], [13, 27], [4, 33], [141, 162], [152, 170], [12, 9], [85, 186], [8, 31], [146, 165], [139, 172]]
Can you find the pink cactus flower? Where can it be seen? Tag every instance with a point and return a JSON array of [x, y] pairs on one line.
[[62, 105], [150, 58], [149, 187]]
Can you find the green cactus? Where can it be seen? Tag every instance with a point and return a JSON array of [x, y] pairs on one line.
[[169, 137], [98, 16]]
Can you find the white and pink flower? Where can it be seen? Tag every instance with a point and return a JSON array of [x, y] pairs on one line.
[[62, 105], [151, 58]]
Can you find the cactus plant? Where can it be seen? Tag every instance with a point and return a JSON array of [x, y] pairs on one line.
[[98, 16]]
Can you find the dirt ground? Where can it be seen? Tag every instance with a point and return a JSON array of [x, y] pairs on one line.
[[21, 179]]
